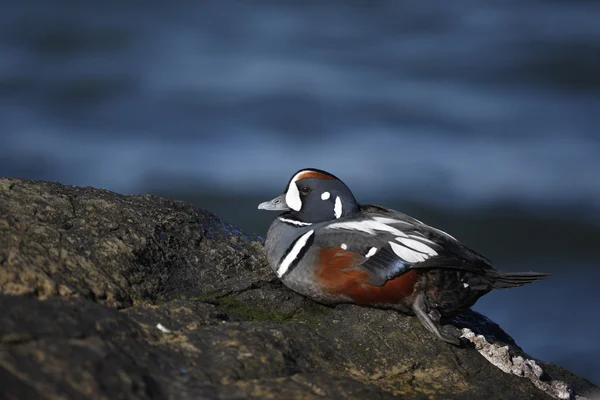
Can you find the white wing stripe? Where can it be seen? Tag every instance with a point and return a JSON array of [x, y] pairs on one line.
[[369, 226], [421, 239], [391, 221], [415, 245], [407, 254], [371, 252]]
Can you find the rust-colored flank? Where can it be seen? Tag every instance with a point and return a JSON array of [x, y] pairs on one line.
[[338, 274]]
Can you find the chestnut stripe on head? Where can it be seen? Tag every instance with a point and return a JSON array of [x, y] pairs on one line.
[[312, 174]]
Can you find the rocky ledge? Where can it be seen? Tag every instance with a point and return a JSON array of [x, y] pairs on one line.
[[135, 297]]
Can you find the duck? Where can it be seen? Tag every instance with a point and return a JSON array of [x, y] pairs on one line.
[[326, 246]]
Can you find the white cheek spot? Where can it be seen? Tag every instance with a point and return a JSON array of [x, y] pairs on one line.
[[337, 209], [292, 197], [325, 196], [466, 285], [289, 259], [371, 252], [343, 246]]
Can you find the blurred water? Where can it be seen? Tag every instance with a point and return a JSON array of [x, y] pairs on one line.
[[464, 108]]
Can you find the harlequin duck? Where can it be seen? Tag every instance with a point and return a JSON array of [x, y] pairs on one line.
[[331, 249]]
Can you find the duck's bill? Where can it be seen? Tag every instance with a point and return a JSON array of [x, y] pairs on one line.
[[277, 204]]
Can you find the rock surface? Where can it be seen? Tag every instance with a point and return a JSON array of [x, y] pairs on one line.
[[137, 297]]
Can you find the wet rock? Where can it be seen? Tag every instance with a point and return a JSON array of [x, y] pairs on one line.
[[110, 296]]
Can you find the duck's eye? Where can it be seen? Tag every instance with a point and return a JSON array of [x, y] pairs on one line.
[[304, 189]]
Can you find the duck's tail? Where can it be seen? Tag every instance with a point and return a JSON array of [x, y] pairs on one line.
[[505, 280]]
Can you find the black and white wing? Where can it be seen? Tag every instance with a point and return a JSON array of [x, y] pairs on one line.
[[388, 243]]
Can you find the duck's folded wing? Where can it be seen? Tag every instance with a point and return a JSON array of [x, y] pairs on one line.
[[386, 246]]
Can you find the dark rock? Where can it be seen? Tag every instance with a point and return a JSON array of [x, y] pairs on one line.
[[109, 296], [116, 250]]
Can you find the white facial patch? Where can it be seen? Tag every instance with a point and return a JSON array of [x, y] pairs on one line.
[[337, 208], [294, 222], [325, 196], [416, 245], [291, 256], [370, 226], [292, 197], [344, 246], [371, 252], [407, 254]]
